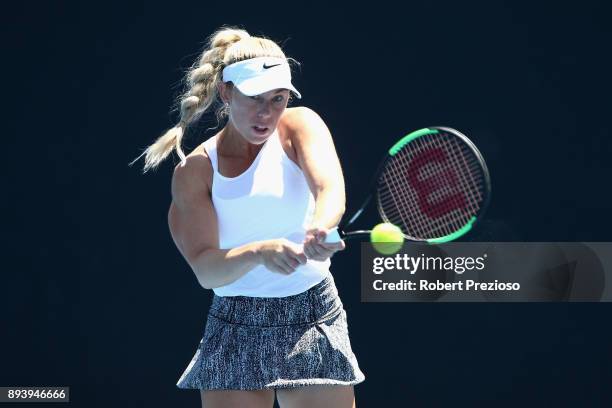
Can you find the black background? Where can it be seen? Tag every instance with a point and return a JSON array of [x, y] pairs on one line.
[[94, 294]]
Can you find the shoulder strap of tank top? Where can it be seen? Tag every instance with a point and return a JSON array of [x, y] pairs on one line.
[[211, 149]]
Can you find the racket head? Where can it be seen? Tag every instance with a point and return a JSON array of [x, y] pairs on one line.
[[434, 185]]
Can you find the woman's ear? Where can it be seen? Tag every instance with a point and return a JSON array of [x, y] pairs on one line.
[[225, 91]]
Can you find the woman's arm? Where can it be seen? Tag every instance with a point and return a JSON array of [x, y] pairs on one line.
[[193, 224], [319, 162], [194, 228]]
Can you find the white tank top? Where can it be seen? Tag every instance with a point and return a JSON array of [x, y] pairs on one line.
[[270, 200]]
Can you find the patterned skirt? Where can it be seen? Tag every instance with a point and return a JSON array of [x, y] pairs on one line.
[[252, 343]]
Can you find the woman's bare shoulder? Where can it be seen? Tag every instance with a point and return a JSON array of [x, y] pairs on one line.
[[301, 123], [194, 177], [295, 117]]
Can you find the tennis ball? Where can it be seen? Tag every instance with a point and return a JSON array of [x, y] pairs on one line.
[[387, 238]]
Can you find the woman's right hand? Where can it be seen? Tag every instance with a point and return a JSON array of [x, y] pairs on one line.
[[281, 255]]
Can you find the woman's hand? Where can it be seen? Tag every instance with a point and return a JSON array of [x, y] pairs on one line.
[[315, 248], [281, 255]]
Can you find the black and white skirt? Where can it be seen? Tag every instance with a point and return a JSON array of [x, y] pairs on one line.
[[252, 343]]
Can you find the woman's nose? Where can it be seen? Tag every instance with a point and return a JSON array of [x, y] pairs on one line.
[[263, 110], [263, 113]]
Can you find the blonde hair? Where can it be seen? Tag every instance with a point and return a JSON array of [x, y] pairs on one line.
[[224, 47]]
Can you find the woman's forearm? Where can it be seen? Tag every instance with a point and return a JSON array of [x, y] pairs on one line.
[[219, 267], [329, 208]]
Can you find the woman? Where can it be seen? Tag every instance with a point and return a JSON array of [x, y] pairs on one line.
[[250, 210]]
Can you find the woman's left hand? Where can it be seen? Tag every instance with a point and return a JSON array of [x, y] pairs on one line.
[[315, 248]]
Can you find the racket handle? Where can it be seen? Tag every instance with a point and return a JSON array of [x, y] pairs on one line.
[[333, 236]]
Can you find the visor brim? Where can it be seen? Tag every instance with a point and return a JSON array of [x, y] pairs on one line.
[[257, 86]]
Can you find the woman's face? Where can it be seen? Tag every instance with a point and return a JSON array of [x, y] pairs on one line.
[[256, 117]]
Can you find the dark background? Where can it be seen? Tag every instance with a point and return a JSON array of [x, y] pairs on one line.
[[94, 294]]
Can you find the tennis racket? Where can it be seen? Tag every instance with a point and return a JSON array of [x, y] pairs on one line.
[[433, 184]]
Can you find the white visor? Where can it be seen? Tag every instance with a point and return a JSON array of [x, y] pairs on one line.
[[258, 75]]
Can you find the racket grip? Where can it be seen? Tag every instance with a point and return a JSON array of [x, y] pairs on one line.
[[333, 236]]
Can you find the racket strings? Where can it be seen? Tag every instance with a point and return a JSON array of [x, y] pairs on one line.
[[397, 202], [452, 201], [475, 184], [416, 222], [450, 186], [395, 192], [467, 186], [464, 171]]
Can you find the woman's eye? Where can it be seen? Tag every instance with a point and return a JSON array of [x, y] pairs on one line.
[[278, 98]]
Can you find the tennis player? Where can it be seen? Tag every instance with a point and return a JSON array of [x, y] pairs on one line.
[[250, 209]]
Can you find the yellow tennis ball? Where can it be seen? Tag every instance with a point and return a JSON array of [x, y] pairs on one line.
[[387, 238]]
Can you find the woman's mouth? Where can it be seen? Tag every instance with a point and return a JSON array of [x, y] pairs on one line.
[[260, 130]]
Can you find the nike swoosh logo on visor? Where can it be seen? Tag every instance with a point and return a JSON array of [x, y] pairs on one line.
[[269, 66]]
